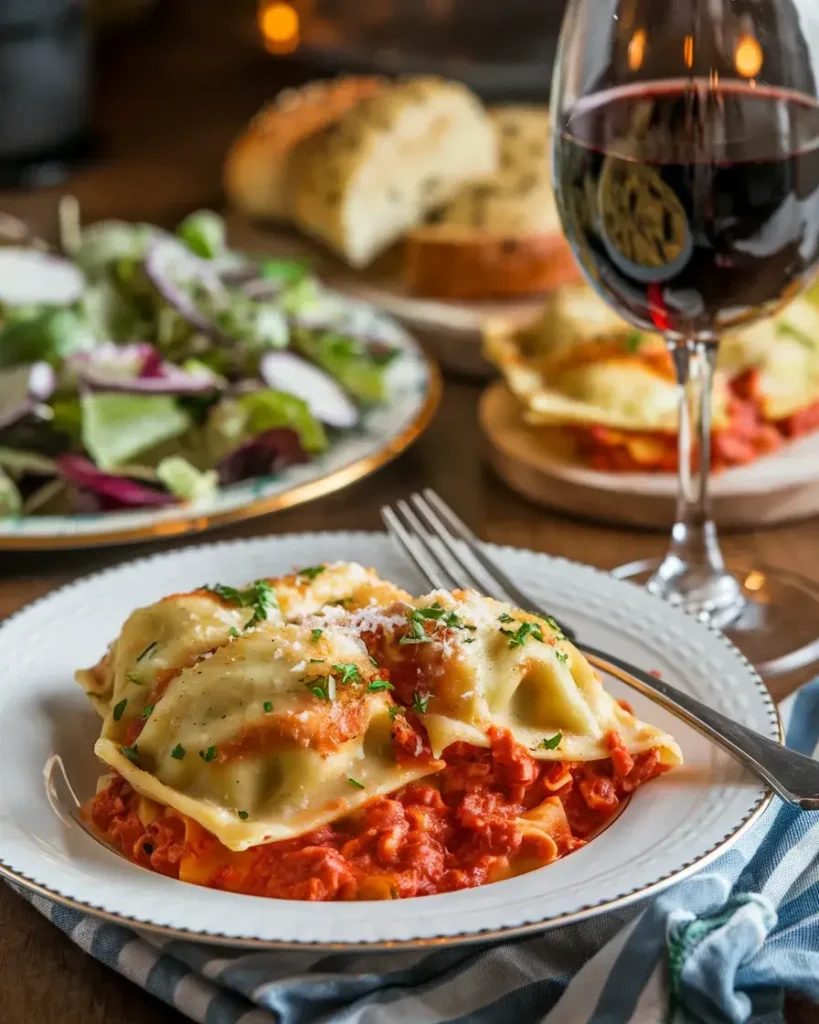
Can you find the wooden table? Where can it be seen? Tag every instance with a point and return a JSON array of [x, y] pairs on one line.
[[170, 97]]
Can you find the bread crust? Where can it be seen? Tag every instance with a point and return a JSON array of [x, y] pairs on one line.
[[256, 169]]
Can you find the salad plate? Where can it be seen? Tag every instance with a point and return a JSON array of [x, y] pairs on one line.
[[667, 830], [156, 384]]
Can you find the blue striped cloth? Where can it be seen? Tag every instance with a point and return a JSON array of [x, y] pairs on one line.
[[724, 945]]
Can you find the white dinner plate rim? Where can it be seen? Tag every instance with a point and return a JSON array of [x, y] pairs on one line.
[[751, 815]]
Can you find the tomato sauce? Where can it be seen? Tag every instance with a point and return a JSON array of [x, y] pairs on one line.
[[746, 437], [488, 814]]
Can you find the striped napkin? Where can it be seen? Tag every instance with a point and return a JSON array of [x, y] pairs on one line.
[[724, 945]]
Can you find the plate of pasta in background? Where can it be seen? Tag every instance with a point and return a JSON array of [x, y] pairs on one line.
[[265, 727], [587, 409]]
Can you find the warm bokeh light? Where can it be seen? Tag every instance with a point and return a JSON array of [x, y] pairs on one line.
[[748, 57], [755, 580], [688, 51], [637, 49], [279, 24]]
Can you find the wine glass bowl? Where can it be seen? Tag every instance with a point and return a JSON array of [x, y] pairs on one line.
[[686, 167]]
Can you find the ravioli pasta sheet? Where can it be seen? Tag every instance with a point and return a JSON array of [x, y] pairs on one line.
[[264, 712], [579, 364]]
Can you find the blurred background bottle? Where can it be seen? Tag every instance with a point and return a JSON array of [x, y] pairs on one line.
[[44, 90]]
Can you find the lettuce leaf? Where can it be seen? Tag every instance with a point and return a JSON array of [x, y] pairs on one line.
[[116, 427], [186, 481]]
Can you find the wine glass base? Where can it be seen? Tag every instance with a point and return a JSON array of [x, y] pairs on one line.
[[776, 622]]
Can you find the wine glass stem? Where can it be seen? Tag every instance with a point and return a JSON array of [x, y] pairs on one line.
[[693, 573]]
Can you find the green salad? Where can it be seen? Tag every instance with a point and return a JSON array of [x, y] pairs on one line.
[[140, 367]]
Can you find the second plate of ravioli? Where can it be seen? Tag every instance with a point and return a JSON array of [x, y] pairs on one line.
[[669, 827], [540, 463]]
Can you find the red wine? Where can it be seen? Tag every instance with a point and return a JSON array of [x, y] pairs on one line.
[[693, 206]]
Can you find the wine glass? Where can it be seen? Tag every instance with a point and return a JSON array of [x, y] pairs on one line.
[[686, 167]]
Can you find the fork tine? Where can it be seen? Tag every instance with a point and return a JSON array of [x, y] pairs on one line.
[[446, 568], [463, 570], [416, 551], [515, 596]]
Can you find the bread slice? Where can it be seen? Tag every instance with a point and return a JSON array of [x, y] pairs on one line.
[[363, 181], [256, 177], [500, 237]]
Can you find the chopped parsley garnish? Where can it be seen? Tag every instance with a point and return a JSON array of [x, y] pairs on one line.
[[562, 656], [149, 650], [348, 673], [356, 783], [471, 640], [524, 630], [551, 742], [555, 625], [420, 702], [417, 633], [130, 752], [178, 752], [395, 711], [230, 595], [243, 815], [119, 708], [208, 755], [316, 661], [263, 600], [319, 692], [505, 618], [633, 341], [260, 596], [311, 571], [268, 706], [133, 679], [233, 631], [315, 634], [379, 684], [147, 711]]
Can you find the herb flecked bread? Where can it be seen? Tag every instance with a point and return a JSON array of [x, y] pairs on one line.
[[364, 180], [256, 173], [499, 237]]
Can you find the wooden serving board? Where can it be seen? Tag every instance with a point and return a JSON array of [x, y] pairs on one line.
[[538, 463], [452, 332]]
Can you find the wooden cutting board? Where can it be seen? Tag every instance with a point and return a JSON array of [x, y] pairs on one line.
[[452, 332], [538, 463]]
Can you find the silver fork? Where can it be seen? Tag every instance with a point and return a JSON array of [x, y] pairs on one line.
[[449, 555]]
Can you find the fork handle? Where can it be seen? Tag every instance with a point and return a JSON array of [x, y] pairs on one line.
[[790, 775]]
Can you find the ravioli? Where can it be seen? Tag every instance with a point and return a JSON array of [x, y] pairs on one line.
[[267, 738], [483, 665], [262, 730], [581, 365], [171, 634], [784, 352]]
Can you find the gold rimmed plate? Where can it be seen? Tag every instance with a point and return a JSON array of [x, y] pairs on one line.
[[384, 432], [669, 829]]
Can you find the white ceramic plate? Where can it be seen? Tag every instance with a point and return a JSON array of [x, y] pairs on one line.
[[671, 826], [383, 433]]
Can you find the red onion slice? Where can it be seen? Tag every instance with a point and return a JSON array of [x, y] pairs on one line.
[[115, 491], [170, 265], [138, 369], [325, 399]]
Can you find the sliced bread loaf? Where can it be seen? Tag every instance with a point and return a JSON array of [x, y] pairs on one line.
[[499, 237], [360, 183]]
